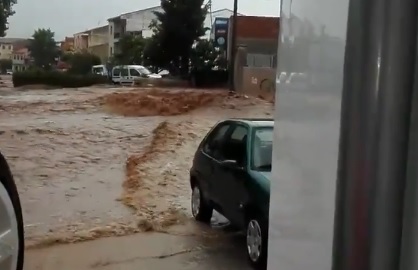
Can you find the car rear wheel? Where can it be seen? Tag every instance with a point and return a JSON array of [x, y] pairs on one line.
[[201, 209], [257, 242], [11, 222]]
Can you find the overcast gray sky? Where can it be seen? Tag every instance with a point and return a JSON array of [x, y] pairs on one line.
[[66, 17]]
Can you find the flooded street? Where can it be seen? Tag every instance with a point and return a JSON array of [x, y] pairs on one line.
[[104, 162], [68, 164]]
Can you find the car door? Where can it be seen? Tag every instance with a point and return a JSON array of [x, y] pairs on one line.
[[230, 181], [134, 74], [206, 159], [116, 75], [124, 75]]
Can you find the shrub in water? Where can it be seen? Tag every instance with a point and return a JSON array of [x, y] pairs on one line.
[[56, 78]]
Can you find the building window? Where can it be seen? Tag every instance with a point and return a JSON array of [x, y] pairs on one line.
[[10, 47], [111, 51], [111, 30], [3, 47]]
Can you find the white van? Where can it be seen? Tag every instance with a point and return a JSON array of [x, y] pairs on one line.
[[100, 70], [129, 73]]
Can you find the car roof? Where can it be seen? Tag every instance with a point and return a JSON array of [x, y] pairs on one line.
[[255, 122], [129, 66]]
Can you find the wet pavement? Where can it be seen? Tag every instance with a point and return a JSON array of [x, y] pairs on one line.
[[154, 251]]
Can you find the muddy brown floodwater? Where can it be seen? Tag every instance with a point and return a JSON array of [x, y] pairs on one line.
[[98, 162]]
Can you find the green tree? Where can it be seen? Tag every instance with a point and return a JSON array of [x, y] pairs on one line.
[[43, 48], [154, 55], [5, 64], [6, 12], [205, 55], [81, 63], [131, 50], [177, 28]]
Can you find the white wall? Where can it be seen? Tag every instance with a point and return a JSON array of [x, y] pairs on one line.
[[140, 20], [111, 39]]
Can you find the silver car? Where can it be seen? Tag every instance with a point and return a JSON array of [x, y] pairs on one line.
[[11, 221]]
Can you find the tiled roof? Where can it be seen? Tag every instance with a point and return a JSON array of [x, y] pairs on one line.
[[12, 40]]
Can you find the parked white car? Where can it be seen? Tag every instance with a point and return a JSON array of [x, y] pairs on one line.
[[129, 73], [11, 221], [100, 70]]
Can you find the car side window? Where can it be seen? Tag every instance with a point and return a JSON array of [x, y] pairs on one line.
[[134, 72], [235, 147], [116, 72], [213, 144], [124, 72]]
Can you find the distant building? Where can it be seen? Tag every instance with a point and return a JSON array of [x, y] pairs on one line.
[[259, 35], [81, 41], [138, 22], [7, 44], [104, 41], [20, 58], [67, 45], [95, 41]]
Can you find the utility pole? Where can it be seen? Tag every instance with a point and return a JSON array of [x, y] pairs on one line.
[[210, 12], [233, 48]]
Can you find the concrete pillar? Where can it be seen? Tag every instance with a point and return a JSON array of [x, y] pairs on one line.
[[240, 61]]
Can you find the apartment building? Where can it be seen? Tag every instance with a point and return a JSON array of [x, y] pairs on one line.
[[6, 50], [20, 58], [136, 23], [6, 47], [103, 41], [81, 41], [95, 40], [98, 42]]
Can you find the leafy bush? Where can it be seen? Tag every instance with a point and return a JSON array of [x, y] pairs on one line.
[[56, 78], [5, 64], [209, 78], [81, 63], [162, 83]]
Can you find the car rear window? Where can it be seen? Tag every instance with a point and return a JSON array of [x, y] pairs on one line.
[[262, 149]]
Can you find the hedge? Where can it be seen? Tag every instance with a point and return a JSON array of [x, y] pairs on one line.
[[56, 78], [209, 78], [161, 82]]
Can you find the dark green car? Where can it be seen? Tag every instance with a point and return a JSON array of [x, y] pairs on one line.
[[231, 174]]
